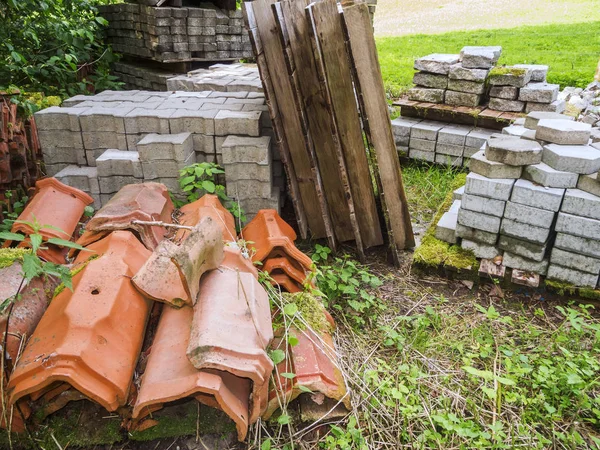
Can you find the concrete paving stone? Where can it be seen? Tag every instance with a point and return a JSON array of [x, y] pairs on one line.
[[581, 203], [519, 122], [518, 262], [133, 139], [496, 188], [505, 92], [458, 72], [83, 178], [453, 135], [449, 149], [64, 155], [418, 94], [430, 80], [529, 215], [422, 144], [513, 151], [525, 231], [201, 122], [119, 162], [458, 193], [545, 175], [575, 261], [53, 169], [479, 221], [401, 126], [421, 155], [530, 194], [448, 160], [578, 226], [238, 123], [581, 159], [539, 92], [483, 205], [112, 184], [246, 189], [436, 63], [577, 244], [538, 71], [446, 228], [481, 250], [104, 119], [595, 135], [474, 234], [248, 171], [72, 101], [530, 136], [60, 139], [515, 130], [455, 207], [480, 57], [519, 247], [426, 129], [501, 104], [563, 132], [533, 118], [95, 140], [575, 277], [203, 143], [455, 98], [166, 146], [477, 137], [509, 76], [557, 106], [156, 169], [470, 87], [143, 120], [238, 149], [589, 183], [57, 118], [469, 152]]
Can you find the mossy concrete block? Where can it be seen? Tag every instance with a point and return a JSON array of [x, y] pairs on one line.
[[539, 93], [581, 159], [575, 261], [589, 183], [563, 132], [546, 176], [420, 94], [513, 151], [518, 262], [436, 63], [483, 205], [445, 229], [509, 76], [575, 277], [581, 203], [529, 250], [496, 188], [479, 221], [458, 72], [578, 226], [527, 193], [529, 215], [474, 234], [576, 244], [538, 71], [525, 231], [481, 250], [430, 80]]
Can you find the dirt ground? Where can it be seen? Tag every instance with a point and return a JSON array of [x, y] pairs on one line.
[[403, 17]]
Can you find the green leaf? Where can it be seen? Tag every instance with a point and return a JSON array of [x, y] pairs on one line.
[[208, 186], [304, 389], [187, 180], [289, 376], [199, 171], [277, 356], [266, 445], [32, 266], [5, 235], [485, 374], [36, 241], [290, 309], [283, 419], [68, 244], [292, 341]]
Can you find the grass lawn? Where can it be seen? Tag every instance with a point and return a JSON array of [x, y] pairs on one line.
[[571, 51]]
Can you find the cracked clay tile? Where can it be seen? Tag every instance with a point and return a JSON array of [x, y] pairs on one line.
[[55, 204], [285, 282], [170, 376], [144, 201], [90, 337], [234, 260], [208, 205], [87, 238], [231, 301], [283, 264], [270, 232]]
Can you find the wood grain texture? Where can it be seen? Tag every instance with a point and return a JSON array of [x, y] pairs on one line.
[[334, 71], [376, 120]]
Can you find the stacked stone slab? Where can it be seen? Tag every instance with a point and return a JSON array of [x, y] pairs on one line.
[[533, 199], [219, 77], [431, 80], [140, 76], [176, 34]]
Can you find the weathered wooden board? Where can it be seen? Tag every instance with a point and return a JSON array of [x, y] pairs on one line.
[[376, 121], [334, 71], [317, 215], [319, 120]]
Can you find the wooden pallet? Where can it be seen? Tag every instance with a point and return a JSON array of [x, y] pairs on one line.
[[480, 116]]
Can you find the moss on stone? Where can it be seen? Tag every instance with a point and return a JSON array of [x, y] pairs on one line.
[[567, 289], [9, 255], [502, 71], [311, 308]]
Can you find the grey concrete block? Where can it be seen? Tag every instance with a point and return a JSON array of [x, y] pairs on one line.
[[119, 162], [469, 87], [52, 169], [428, 95], [469, 152], [505, 92], [483, 205], [104, 119], [436, 63], [563, 132], [509, 76], [533, 118], [247, 189], [519, 247], [83, 178], [203, 143], [238, 149], [177, 147], [458, 72], [448, 160], [539, 93], [518, 262], [581, 159], [479, 221], [474, 234], [581, 203], [248, 171], [501, 104], [527, 193], [499, 189], [575, 261], [477, 137], [421, 155], [578, 226], [575, 277], [529, 215], [64, 155], [589, 183], [237, 122], [60, 139], [577, 244], [142, 120], [453, 135], [422, 144], [481, 250], [515, 130], [96, 140], [513, 151], [112, 184], [456, 98], [538, 71], [480, 57], [157, 169], [253, 205], [557, 106], [546, 176], [430, 80], [401, 127], [426, 129], [449, 149], [458, 193], [57, 118], [524, 231]]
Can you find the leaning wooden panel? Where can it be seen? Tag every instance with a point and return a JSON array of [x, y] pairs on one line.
[[318, 119], [334, 71], [369, 84], [276, 120], [290, 120]]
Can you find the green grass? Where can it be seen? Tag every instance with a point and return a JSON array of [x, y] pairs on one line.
[[571, 51]]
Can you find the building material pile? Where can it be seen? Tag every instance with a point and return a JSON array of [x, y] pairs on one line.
[[309, 76], [219, 77], [531, 202]]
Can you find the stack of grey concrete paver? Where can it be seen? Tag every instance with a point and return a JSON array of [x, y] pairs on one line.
[[219, 77], [176, 34], [533, 199], [142, 76], [431, 80]]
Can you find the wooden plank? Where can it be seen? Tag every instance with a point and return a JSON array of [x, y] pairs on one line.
[[334, 72], [265, 76], [347, 178], [291, 129], [376, 119]]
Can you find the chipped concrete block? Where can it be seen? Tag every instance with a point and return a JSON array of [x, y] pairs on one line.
[[527, 193], [499, 189], [578, 226], [539, 93], [524, 231], [83, 178], [237, 122], [428, 95], [456, 98], [524, 278], [581, 203], [238, 149], [518, 262], [538, 71], [479, 221], [563, 132], [581, 159], [528, 250], [481, 250], [546, 176], [430, 80], [483, 205], [575, 277], [119, 162], [529, 215], [589, 183], [166, 146], [436, 63], [458, 72], [474, 234], [513, 151], [477, 57], [577, 244], [575, 261]]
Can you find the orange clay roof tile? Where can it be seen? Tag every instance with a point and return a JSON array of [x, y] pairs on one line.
[[145, 201], [90, 337], [170, 376], [209, 205], [285, 282], [286, 265], [235, 261]]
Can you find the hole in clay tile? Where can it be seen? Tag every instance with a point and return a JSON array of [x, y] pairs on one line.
[[95, 291]]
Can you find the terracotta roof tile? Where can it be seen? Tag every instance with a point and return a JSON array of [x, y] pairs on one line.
[[285, 282], [286, 265], [207, 206]]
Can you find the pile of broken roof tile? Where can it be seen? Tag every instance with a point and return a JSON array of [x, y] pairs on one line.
[[214, 330]]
